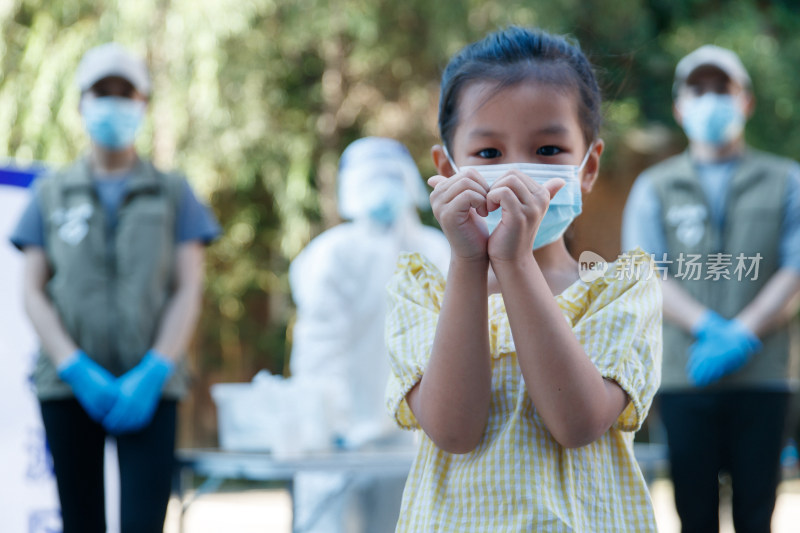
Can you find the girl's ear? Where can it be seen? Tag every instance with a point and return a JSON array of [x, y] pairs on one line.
[[443, 166], [592, 168]]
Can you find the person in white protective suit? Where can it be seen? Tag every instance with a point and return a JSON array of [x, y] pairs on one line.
[[338, 284]]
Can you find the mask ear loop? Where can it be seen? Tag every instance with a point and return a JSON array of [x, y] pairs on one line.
[[450, 159], [586, 157]]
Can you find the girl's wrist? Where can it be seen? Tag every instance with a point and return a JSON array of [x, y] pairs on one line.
[[513, 266], [477, 261], [469, 268], [512, 274]]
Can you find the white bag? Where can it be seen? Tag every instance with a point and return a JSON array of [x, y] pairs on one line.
[[273, 413]]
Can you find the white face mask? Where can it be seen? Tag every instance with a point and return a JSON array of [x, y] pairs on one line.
[[564, 206]]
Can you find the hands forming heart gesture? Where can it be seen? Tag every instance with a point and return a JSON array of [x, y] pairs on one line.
[[461, 201]]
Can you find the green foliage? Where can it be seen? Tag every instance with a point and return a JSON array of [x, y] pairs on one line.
[[256, 99]]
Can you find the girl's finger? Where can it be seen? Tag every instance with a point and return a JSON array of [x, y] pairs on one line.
[[469, 173], [522, 185], [469, 198], [501, 196], [433, 181], [519, 186], [554, 185], [475, 176], [448, 189]]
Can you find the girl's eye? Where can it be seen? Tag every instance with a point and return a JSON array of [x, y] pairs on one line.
[[489, 153], [548, 150]]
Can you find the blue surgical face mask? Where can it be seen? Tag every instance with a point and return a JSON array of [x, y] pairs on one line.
[[712, 118], [386, 199], [564, 206], [112, 121]]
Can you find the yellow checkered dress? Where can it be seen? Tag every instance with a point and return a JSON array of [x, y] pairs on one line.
[[519, 479]]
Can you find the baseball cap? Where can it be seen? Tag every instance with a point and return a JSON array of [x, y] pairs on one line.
[[716, 56], [108, 60]]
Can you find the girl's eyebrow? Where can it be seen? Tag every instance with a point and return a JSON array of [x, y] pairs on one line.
[[554, 129], [551, 129], [482, 132]]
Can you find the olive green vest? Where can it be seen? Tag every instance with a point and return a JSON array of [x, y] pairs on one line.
[[736, 262], [109, 287]]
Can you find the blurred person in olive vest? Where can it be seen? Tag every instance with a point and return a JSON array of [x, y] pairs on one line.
[[723, 220], [114, 254]]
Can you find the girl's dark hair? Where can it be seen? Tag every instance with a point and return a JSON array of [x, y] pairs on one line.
[[515, 54]]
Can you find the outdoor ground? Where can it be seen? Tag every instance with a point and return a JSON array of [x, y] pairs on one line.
[[269, 510]]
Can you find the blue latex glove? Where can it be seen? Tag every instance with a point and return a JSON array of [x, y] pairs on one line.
[[94, 386], [709, 323], [139, 393], [723, 347]]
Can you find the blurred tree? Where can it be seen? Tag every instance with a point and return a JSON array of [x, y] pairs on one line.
[[255, 99]]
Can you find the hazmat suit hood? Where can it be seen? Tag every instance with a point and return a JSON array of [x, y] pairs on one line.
[[374, 171]]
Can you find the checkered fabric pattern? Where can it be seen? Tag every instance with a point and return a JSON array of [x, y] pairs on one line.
[[519, 478]]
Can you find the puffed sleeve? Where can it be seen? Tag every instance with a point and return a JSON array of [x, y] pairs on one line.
[[415, 295], [620, 329]]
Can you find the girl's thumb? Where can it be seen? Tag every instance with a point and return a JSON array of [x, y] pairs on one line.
[[553, 186]]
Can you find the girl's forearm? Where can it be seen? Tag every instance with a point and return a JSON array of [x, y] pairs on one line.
[[576, 404], [451, 402]]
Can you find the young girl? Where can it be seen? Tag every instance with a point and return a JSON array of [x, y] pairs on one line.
[[529, 402]]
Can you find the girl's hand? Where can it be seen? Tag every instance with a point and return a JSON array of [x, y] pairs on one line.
[[459, 203], [524, 203]]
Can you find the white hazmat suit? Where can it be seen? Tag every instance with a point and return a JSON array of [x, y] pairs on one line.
[[338, 284]]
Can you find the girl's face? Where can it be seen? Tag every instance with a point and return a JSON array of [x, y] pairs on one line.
[[528, 122]]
